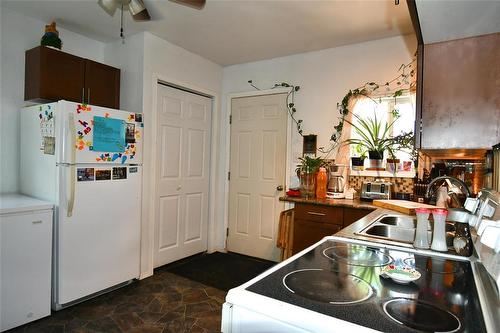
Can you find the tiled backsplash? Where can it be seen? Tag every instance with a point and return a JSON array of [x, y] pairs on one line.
[[404, 185]]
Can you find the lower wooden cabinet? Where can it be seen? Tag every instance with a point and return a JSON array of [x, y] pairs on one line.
[[352, 215], [313, 222], [306, 233]]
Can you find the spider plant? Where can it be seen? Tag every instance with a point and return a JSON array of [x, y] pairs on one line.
[[309, 164], [374, 133]]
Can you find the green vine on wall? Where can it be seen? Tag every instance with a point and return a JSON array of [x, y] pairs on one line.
[[402, 83], [290, 101]]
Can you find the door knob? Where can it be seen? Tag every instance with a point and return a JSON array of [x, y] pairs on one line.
[[279, 188]]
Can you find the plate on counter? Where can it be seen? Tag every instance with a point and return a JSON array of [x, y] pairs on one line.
[[401, 274]]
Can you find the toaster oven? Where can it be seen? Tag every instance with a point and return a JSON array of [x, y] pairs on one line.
[[378, 189]]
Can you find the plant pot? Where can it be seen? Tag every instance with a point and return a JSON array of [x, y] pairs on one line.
[[357, 163], [376, 158], [393, 165], [375, 155], [307, 184]]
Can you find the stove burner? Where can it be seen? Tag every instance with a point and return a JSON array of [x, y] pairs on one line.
[[421, 316], [328, 286], [358, 255]]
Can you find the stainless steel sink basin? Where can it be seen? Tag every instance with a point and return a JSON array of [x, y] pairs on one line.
[[400, 221], [393, 233], [400, 229]]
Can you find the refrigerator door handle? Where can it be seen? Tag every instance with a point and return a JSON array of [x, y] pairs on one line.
[[72, 133], [72, 185], [72, 149]]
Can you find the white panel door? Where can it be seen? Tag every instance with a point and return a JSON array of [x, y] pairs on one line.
[[258, 162], [183, 160]]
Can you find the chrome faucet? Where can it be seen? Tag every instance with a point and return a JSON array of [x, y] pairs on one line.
[[461, 185]]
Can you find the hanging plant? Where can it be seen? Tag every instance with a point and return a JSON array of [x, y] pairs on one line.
[[290, 101], [396, 87]]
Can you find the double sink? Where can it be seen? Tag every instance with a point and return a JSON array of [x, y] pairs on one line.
[[400, 229]]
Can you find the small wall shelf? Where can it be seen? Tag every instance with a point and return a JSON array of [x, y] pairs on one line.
[[383, 174]]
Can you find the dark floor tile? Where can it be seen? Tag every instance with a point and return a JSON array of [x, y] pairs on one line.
[[92, 312], [210, 321], [195, 296], [127, 321], [194, 309], [150, 317], [146, 328], [128, 308], [175, 314], [104, 325]]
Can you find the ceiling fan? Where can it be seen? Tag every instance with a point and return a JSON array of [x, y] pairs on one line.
[[137, 8]]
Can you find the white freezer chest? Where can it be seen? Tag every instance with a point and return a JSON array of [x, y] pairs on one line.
[[25, 259]]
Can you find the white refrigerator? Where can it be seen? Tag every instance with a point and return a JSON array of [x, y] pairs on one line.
[[87, 160]]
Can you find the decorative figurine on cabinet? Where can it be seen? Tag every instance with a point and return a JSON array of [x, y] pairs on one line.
[[51, 36]]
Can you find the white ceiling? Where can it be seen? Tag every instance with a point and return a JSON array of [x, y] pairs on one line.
[[231, 31], [446, 20]]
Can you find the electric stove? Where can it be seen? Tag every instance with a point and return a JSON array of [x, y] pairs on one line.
[[336, 285]]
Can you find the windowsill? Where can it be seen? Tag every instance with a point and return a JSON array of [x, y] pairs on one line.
[[383, 174]]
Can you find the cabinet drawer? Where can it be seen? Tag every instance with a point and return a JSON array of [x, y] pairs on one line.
[[322, 214], [351, 215], [306, 233]]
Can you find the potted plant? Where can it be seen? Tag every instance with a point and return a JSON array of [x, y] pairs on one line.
[[375, 138], [402, 142], [358, 158], [306, 171]]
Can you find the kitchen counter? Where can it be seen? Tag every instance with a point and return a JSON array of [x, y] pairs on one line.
[[356, 203]]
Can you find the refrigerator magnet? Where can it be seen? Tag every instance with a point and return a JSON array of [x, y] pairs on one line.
[[119, 173], [85, 174], [138, 117], [103, 174], [130, 133], [49, 145]]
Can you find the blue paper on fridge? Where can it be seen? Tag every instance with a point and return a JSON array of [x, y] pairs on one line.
[[109, 135]]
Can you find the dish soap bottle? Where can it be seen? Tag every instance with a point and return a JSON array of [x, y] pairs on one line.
[[321, 181]]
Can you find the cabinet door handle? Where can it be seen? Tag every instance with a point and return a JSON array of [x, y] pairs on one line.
[[317, 214], [88, 96], [83, 95], [37, 222]]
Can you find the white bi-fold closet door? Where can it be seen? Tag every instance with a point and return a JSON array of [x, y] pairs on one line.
[[182, 174]]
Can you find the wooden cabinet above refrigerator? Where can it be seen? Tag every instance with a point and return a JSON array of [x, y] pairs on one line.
[[52, 75]]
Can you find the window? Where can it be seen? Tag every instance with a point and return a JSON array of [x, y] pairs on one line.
[[383, 108]]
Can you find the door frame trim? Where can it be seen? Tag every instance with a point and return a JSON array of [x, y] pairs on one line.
[[227, 161], [148, 240]]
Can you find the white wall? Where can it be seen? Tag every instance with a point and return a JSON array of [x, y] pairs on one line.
[[21, 33], [129, 57], [172, 64], [324, 77]]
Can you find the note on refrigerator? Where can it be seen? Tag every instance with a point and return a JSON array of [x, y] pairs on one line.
[[109, 135]]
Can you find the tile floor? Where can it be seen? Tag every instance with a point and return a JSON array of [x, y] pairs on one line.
[[162, 303]]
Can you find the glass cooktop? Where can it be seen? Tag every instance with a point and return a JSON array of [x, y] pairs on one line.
[[342, 280]]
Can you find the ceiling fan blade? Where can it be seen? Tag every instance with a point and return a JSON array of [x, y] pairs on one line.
[[197, 4], [138, 10], [109, 6]]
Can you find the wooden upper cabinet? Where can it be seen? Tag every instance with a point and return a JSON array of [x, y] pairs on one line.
[[461, 99], [52, 75], [102, 84]]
